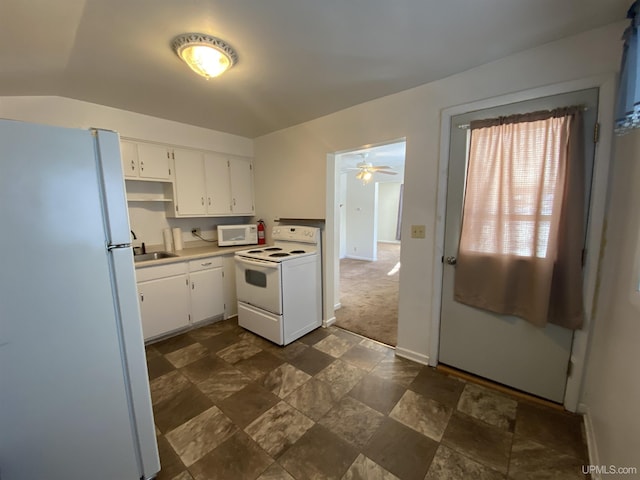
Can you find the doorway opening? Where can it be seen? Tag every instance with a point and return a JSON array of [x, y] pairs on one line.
[[369, 190]]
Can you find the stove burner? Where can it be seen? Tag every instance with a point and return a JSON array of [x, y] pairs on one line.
[[279, 254], [254, 251], [297, 251], [272, 249]]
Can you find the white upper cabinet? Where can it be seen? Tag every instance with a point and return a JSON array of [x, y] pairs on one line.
[[241, 178], [154, 161], [218, 188], [145, 161], [129, 153], [190, 185], [209, 184]]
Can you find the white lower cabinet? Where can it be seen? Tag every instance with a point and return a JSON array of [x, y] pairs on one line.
[[163, 294], [207, 291], [175, 296]]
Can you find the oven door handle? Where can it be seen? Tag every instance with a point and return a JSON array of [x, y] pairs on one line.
[[258, 263]]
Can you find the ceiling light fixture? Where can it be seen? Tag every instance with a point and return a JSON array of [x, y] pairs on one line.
[[206, 55], [365, 175]]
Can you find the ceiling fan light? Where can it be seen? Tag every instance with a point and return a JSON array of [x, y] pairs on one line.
[[206, 55]]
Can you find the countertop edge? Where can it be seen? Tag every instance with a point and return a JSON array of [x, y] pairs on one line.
[[188, 254]]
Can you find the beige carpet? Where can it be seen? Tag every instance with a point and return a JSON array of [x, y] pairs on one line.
[[369, 296]]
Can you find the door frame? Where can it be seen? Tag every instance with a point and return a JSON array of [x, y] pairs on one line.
[[332, 235], [606, 101]]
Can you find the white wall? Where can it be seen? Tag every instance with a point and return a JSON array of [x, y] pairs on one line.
[[66, 112], [612, 385], [147, 220], [301, 151], [388, 202]]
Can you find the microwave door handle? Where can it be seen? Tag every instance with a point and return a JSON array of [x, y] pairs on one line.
[[258, 263]]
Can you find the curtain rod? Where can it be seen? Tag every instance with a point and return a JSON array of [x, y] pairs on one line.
[[465, 126]]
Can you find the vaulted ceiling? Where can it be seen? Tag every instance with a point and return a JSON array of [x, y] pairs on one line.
[[298, 59]]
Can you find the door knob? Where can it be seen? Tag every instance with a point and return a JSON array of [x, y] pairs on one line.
[[451, 260]]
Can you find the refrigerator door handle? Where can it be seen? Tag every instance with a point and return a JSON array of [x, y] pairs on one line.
[[117, 245]]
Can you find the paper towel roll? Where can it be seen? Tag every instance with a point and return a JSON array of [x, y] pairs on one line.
[[168, 239], [177, 238]]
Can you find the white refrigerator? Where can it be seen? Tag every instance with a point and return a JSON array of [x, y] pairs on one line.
[[74, 391]]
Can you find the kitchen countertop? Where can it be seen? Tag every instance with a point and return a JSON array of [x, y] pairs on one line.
[[189, 253]]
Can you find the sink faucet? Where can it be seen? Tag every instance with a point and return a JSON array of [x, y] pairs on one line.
[[141, 250]]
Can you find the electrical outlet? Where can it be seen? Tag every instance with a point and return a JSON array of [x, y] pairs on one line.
[[195, 232], [417, 231]]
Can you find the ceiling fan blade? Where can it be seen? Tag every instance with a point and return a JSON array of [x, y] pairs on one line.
[[381, 167], [387, 172]]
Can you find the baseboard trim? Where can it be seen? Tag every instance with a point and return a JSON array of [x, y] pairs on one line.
[[354, 257], [590, 434], [411, 355], [328, 322], [337, 306]]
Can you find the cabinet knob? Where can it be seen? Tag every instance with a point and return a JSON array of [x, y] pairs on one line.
[[133, 165], [206, 264], [209, 201], [141, 166], [202, 200], [142, 297]]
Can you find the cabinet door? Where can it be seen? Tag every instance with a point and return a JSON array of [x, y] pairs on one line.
[[164, 305], [241, 175], [207, 298], [129, 154], [154, 161], [216, 169], [190, 183]]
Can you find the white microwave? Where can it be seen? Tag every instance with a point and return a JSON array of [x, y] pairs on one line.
[[237, 235]]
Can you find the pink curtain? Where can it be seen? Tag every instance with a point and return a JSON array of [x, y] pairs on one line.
[[522, 233]]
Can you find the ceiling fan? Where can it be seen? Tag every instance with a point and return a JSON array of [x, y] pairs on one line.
[[367, 169]]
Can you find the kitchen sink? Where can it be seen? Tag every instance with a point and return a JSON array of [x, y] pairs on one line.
[[153, 256]]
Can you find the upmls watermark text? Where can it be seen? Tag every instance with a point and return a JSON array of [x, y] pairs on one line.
[[609, 470]]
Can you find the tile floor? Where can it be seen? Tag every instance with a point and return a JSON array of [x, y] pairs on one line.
[[332, 405]]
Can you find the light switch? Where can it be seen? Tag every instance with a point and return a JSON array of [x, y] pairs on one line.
[[417, 231]]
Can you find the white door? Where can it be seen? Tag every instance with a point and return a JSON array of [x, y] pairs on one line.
[[503, 348]]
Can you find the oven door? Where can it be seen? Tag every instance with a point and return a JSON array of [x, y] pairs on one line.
[[259, 283]]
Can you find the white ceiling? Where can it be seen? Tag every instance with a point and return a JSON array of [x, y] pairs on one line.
[[298, 59]]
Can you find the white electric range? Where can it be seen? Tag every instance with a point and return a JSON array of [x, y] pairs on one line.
[[279, 286]]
